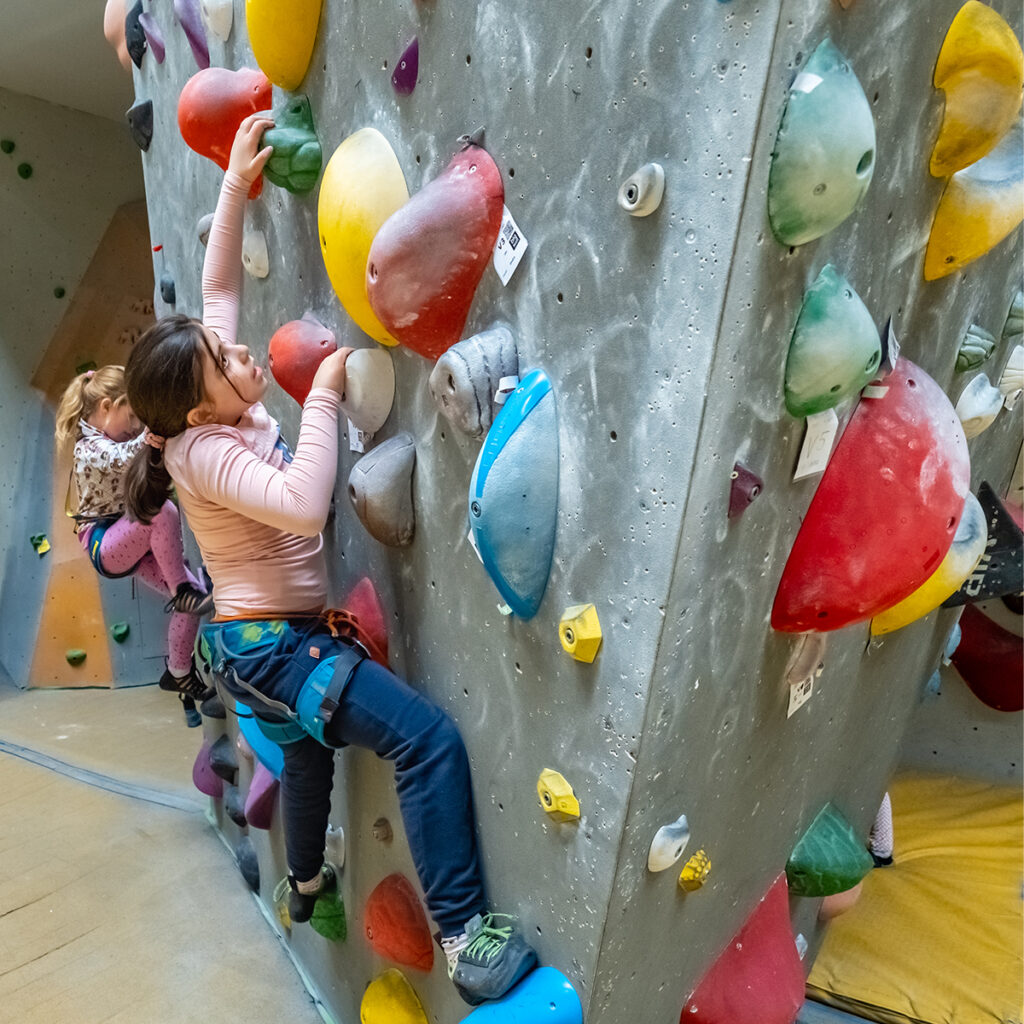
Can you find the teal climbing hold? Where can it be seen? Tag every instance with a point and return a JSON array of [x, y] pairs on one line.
[[297, 158], [25, 171], [544, 996], [835, 349], [119, 631], [7, 146], [829, 857], [824, 154]]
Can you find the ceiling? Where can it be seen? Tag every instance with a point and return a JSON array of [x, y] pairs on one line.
[[55, 50]]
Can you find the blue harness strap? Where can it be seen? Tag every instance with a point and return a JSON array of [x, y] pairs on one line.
[[95, 540]]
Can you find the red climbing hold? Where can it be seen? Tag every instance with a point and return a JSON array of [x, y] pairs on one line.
[[885, 512], [428, 257], [990, 660], [213, 104], [396, 925], [758, 979], [364, 607], [296, 351]]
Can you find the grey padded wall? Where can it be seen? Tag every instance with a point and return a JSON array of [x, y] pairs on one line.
[[665, 339]]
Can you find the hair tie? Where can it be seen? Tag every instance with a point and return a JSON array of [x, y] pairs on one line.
[[88, 374], [154, 440]]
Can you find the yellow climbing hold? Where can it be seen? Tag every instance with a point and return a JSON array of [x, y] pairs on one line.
[[282, 36], [981, 70], [960, 561], [556, 796], [362, 187], [580, 632], [390, 999], [980, 206], [695, 871]]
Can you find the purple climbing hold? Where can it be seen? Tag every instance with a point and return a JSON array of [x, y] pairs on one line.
[[407, 68], [188, 14], [259, 803], [746, 486], [154, 35], [134, 37], [206, 780]]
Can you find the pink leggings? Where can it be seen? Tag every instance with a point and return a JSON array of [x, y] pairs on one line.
[[157, 550]]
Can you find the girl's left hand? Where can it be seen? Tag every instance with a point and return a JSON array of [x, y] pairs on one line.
[[247, 159]]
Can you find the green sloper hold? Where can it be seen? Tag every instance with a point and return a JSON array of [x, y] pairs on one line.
[[119, 631], [829, 858], [1013, 329], [328, 917], [976, 347], [835, 349], [75, 656], [297, 157], [7, 145], [824, 154]]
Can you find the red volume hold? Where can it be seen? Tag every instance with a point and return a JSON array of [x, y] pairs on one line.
[[396, 926]]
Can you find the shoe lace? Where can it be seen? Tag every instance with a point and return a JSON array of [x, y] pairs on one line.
[[192, 685], [187, 599], [488, 942]]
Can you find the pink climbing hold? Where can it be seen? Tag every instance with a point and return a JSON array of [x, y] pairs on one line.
[[206, 780], [403, 78], [396, 926], [262, 795], [154, 36], [188, 14]]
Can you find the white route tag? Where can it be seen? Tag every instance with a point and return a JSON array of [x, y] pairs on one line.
[[509, 248], [472, 544], [821, 433], [357, 439], [875, 391], [799, 695], [806, 81]]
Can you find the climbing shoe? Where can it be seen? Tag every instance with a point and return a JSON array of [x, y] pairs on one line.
[[192, 717], [190, 685], [323, 909], [494, 957], [190, 600]]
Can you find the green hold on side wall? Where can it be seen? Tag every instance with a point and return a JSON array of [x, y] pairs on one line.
[[25, 171], [119, 631], [7, 145], [829, 857]]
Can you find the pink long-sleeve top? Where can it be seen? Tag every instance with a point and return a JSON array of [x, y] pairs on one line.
[[256, 516]]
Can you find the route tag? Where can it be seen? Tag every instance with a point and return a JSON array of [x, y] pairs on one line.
[[821, 432], [357, 439], [799, 695], [509, 248]]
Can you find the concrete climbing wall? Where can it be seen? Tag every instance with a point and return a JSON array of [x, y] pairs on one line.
[[665, 339]]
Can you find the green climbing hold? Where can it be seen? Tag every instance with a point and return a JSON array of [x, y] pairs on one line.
[[85, 367], [976, 347], [835, 349], [40, 543], [25, 171], [328, 917], [58, 292], [297, 158], [119, 631], [829, 857], [75, 655], [7, 145]]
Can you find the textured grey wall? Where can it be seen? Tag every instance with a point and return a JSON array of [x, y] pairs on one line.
[[665, 339]]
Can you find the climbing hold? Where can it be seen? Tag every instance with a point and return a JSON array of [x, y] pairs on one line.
[[58, 292], [990, 660], [328, 917], [381, 830], [428, 257], [835, 348], [334, 845], [1011, 380], [255, 257], [745, 487], [74, 656], [248, 863], [7, 146], [829, 857], [204, 778], [154, 36], [243, 748], [403, 78], [668, 844], [641, 193], [140, 123], [695, 872], [234, 805], [24, 171], [1013, 329], [268, 752], [190, 19], [885, 512], [280, 898], [296, 351], [85, 367], [297, 158], [980, 68], [824, 154], [396, 926], [976, 347], [978, 405], [544, 995], [222, 758], [262, 795], [362, 187], [113, 32], [167, 290], [980, 206], [557, 797], [203, 227], [119, 631], [513, 495], [213, 707], [369, 389], [758, 979], [218, 16], [40, 543], [365, 611], [134, 37], [282, 38], [390, 999], [213, 104], [380, 488], [580, 632], [467, 377]]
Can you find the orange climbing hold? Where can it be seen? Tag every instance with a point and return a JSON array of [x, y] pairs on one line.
[[396, 926]]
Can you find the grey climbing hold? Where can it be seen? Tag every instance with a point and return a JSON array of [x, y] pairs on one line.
[[465, 379], [203, 227], [167, 289], [248, 863], [234, 805], [641, 193], [382, 830], [976, 347], [380, 488], [223, 760], [134, 36], [668, 844], [213, 707], [140, 123]]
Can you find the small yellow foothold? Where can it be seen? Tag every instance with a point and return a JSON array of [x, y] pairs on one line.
[[695, 872], [580, 632], [390, 999], [557, 797]]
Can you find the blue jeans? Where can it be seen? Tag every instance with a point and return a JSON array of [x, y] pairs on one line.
[[380, 712]]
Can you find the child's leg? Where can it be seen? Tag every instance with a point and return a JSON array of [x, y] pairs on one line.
[[306, 784], [181, 629], [125, 543]]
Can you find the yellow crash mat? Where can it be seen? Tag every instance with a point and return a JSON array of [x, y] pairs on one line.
[[936, 938]]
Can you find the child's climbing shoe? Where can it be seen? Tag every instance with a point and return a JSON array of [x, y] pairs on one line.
[[192, 717], [190, 600], [489, 958], [323, 908], [190, 684]]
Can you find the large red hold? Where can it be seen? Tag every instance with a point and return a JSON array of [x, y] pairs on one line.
[[990, 660], [758, 979], [885, 512], [364, 608], [396, 925], [296, 351], [213, 104], [429, 255]]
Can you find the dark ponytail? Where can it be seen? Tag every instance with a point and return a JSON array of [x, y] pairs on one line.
[[164, 382]]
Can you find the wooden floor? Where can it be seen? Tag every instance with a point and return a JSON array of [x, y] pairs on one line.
[[118, 901]]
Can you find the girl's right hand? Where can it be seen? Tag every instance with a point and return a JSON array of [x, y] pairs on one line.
[[331, 372], [247, 159]]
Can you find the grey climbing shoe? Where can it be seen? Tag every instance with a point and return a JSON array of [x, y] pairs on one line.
[[495, 957]]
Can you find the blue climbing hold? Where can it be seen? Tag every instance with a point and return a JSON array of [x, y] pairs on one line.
[[513, 495], [268, 752], [543, 997]]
